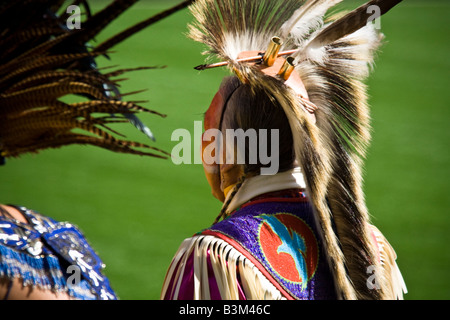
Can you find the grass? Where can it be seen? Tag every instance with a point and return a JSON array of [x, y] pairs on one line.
[[135, 211]]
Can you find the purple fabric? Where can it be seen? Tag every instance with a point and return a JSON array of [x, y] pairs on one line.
[[244, 227], [187, 285], [248, 227]]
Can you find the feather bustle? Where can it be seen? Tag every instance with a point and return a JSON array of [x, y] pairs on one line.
[[330, 152]]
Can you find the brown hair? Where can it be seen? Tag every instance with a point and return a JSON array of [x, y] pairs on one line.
[[247, 108]]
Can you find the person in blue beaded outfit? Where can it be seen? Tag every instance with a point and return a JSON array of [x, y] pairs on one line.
[[41, 258], [46, 54]]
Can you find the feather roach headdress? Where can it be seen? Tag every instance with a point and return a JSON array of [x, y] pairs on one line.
[[43, 60], [332, 54]]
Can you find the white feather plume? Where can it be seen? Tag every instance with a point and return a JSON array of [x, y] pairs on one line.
[[308, 17]]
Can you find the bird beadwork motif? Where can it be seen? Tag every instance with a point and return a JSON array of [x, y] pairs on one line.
[[289, 246]]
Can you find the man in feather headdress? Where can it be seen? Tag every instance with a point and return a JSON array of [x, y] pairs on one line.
[[42, 61], [304, 232]]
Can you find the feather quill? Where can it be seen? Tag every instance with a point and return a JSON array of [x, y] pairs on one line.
[[348, 24]]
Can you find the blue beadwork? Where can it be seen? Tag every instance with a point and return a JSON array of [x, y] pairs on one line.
[[51, 255], [243, 228]]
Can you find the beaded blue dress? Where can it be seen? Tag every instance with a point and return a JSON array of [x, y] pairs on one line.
[[51, 255]]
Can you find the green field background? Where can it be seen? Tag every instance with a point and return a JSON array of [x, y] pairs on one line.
[[135, 211]]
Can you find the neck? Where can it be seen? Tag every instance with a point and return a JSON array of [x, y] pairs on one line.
[[258, 185]]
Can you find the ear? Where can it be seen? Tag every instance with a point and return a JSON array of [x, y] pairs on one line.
[[213, 176], [211, 162]]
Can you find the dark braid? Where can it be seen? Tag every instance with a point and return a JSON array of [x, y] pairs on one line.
[[223, 212]]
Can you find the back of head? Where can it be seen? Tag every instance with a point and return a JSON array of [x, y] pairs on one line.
[[264, 123]]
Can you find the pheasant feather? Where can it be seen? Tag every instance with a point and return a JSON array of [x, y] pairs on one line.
[[42, 61]]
